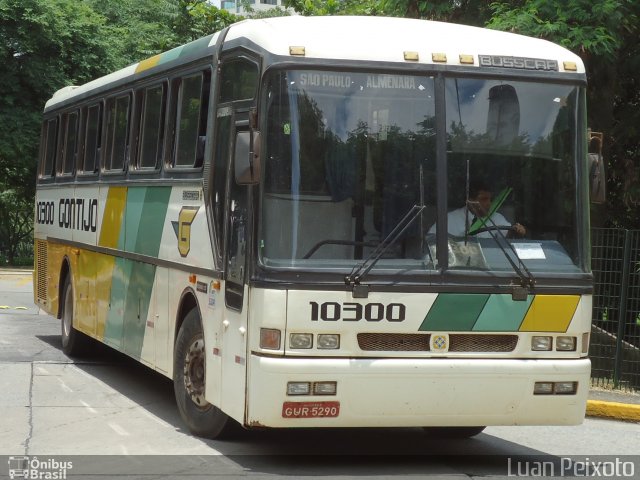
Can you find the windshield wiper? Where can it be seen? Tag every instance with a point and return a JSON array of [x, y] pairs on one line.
[[359, 271], [527, 280]]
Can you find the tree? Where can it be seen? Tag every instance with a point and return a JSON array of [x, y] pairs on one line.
[[198, 18], [44, 45], [604, 34]]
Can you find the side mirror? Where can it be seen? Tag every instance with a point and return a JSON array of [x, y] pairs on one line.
[[597, 176], [247, 157]]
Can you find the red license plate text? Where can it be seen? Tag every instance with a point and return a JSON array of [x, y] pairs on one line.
[[310, 409]]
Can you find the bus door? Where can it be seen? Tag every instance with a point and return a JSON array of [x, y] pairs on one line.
[[238, 85]]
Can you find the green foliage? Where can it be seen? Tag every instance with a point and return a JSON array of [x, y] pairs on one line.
[[198, 18], [335, 7], [580, 25]]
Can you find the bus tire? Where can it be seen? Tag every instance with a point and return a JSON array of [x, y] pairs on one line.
[[74, 342], [453, 432], [202, 418]]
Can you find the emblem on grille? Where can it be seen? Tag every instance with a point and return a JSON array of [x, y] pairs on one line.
[[439, 343]]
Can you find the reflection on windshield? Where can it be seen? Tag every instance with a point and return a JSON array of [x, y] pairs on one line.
[[519, 138], [348, 154]]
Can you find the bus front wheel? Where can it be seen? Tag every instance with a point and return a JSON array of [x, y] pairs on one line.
[[202, 418]]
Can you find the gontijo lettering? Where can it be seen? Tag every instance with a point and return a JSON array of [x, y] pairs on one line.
[[73, 213]]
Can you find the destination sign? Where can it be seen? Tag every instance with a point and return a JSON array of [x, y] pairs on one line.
[[347, 81]]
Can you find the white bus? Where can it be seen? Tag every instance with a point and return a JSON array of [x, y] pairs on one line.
[[265, 216]]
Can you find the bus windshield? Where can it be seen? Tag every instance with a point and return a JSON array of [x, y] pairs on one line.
[[350, 154]]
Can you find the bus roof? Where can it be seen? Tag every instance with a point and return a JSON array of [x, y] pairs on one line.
[[381, 39], [387, 38]]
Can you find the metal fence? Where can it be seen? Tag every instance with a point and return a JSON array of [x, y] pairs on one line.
[[615, 331]]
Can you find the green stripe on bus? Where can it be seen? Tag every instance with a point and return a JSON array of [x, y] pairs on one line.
[[152, 220], [502, 314], [132, 283], [454, 312], [137, 307]]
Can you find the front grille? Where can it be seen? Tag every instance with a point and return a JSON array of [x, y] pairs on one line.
[[482, 343], [419, 342], [394, 342]]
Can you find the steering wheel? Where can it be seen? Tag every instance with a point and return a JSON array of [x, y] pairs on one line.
[[491, 229]]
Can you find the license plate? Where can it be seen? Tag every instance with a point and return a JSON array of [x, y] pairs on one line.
[[310, 409]]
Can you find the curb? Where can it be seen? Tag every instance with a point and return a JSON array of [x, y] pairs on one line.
[[615, 410]]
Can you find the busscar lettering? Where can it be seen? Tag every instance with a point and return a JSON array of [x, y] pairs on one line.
[[354, 312], [523, 63]]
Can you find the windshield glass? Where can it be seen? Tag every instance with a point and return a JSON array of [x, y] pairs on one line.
[[349, 154], [511, 166]]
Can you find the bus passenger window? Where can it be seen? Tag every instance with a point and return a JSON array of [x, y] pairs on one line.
[[152, 127], [70, 142], [191, 120], [50, 134], [117, 129], [92, 139]]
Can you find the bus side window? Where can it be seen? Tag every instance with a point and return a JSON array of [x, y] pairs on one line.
[[50, 141], [69, 143], [92, 139], [191, 119], [151, 127], [118, 110]]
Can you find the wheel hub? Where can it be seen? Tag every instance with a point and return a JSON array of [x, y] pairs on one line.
[[194, 372]]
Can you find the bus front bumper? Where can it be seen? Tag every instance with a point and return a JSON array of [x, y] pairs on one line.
[[415, 392]]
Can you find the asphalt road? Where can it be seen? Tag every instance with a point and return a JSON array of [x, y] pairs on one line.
[[114, 418]]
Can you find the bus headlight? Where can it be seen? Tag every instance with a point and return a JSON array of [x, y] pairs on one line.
[[543, 388], [566, 344], [328, 341], [325, 388], [565, 388], [301, 340], [540, 344], [298, 388]]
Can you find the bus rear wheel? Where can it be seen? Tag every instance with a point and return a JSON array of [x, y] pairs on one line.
[[453, 432], [202, 418], [74, 343]]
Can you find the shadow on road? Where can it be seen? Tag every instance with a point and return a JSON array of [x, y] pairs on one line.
[[305, 452]]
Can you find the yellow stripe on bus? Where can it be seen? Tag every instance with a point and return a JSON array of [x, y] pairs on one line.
[[113, 214], [148, 63], [550, 313]]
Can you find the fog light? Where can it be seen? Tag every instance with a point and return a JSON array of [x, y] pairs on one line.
[[543, 388], [325, 388], [328, 341], [298, 388], [270, 339], [565, 388], [566, 344], [541, 343], [301, 340], [585, 342]]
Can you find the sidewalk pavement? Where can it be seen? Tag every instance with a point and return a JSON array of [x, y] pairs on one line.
[[613, 404]]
